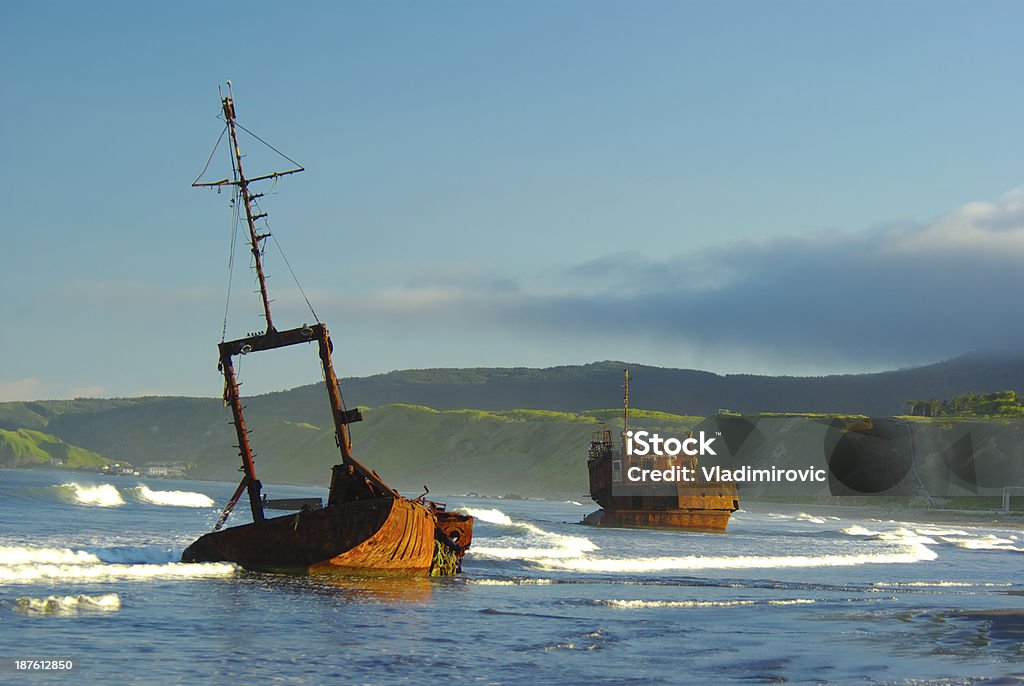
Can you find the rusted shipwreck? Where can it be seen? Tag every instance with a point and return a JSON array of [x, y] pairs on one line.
[[695, 505], [365, 526]]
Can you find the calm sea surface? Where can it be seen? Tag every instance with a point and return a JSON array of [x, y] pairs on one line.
[[89, 572]]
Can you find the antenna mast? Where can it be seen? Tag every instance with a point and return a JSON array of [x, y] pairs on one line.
[[255, 239], [625, 404]]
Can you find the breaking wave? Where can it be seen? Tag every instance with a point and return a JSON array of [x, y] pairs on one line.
[[543, 543], [989, 542], [108, 495], [641, 604], [664, 564], [491, 516], [510, 582], [938, 584], [553, 551], [27, 565], [928, 536], [801, 516], [102, 495], [175, 498], [900, 535], [69, 604], [10, 556]]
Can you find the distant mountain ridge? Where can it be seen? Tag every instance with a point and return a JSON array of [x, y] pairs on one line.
[[523, 429], [579, 388]]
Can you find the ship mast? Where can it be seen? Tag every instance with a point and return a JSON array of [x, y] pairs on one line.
[[255, 239], [625, 404], [273, 339]]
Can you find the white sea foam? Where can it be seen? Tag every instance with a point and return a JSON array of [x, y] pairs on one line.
[[932, 531], [102, 495], [27, 565], [21, 556], [574, 502], [638, 604], [538, 542], [911, 554], [902, 535], [903, 547], [511, 582], [490, 516], [937, 584], [69, 604], [175, 498], [562, 547], [989, 542], [804, 517], [556, 551], [643, 604], [94, 572]]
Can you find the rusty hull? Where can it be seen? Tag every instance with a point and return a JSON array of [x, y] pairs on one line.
[[693, 506], [379, 534], [457, 527], [690, 520]]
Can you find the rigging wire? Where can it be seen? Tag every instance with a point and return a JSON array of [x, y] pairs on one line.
[[267, 144], [296, 278], [235, 217], [288, 264], [212, 153]]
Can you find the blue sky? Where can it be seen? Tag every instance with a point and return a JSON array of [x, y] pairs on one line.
[[783, 187]]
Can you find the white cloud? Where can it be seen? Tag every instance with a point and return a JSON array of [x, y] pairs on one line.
[[995, 229]]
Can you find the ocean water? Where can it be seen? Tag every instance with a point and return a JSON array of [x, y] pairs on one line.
[[89, 572]]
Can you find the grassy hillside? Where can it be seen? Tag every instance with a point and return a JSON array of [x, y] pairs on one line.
[[683, 391], [531, 452], [491, 449], [26, 447], [934, 462]]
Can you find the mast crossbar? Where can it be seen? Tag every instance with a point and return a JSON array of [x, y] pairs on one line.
[[229, 182]]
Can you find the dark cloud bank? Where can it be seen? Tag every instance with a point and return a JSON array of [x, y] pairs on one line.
[[899, 294]]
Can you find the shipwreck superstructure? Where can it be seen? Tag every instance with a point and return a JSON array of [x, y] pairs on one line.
[[697, 504], [365, 525]]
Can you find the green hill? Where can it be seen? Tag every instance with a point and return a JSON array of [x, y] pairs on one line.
[[578, 388], [494, 448], [26, 447], [532, 452]]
